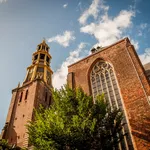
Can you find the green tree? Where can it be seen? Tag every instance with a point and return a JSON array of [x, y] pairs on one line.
[[74, 122], [5, 146]]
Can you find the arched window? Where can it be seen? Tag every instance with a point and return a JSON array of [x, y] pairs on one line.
[[21, 97], [26, 94], [103, 80], [39, 47]]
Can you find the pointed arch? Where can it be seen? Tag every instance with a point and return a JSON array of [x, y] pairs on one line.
[[103, 79], [89, 70]]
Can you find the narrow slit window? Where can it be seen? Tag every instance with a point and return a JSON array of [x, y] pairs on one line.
[[47, 59], [26, 94], [35, 57], [21, 97]]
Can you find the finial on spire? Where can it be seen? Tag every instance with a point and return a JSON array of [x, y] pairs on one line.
[[43, 41], [18, 84]]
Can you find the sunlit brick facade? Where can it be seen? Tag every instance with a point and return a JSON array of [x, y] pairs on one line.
[[35, 90], [117, 72]]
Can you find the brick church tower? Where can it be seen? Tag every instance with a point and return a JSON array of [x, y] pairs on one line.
[[117, 72], [35, 90]]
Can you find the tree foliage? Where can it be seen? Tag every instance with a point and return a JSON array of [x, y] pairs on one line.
[[5, 146], [74, 122]]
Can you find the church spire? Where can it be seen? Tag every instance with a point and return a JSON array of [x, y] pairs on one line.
[[40, 67]]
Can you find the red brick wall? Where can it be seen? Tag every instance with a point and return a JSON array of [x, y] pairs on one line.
[[132, 82], [21, 112], [41, 97]]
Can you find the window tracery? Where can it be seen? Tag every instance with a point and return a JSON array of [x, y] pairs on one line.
[[103, 80]]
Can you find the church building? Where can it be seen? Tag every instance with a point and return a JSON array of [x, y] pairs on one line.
[[117, 71], [35, 90]]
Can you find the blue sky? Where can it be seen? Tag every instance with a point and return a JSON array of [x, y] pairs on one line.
[[71, 29]]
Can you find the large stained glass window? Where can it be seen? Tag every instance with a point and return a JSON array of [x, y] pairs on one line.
[[103, 80]]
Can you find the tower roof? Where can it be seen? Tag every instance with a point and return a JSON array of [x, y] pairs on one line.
[[43, 46], [40, 67]]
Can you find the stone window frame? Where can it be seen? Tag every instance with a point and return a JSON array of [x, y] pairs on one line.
[[106, 72]]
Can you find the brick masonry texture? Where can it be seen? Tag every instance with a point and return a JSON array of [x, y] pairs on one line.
[[21, 112], [133, 84], [35, 91], [147, 69]]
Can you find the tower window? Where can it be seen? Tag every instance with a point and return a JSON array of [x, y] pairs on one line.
[[46, 97], [40, 69], [26, 94], [35, 57], [43, 47], [47, 49], [39, 47], [21, 97], [42, 56], [47, 59]]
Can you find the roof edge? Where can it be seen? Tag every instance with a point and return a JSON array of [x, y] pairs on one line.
[[124, 39]]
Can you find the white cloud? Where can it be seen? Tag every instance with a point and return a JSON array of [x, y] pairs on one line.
[[65, 5], [140, 33], [143, 26], [108, 30], [145, 57], [79, 6], [1, 1], [91, 11], [64, 39], [135, 44], [60, 76]]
